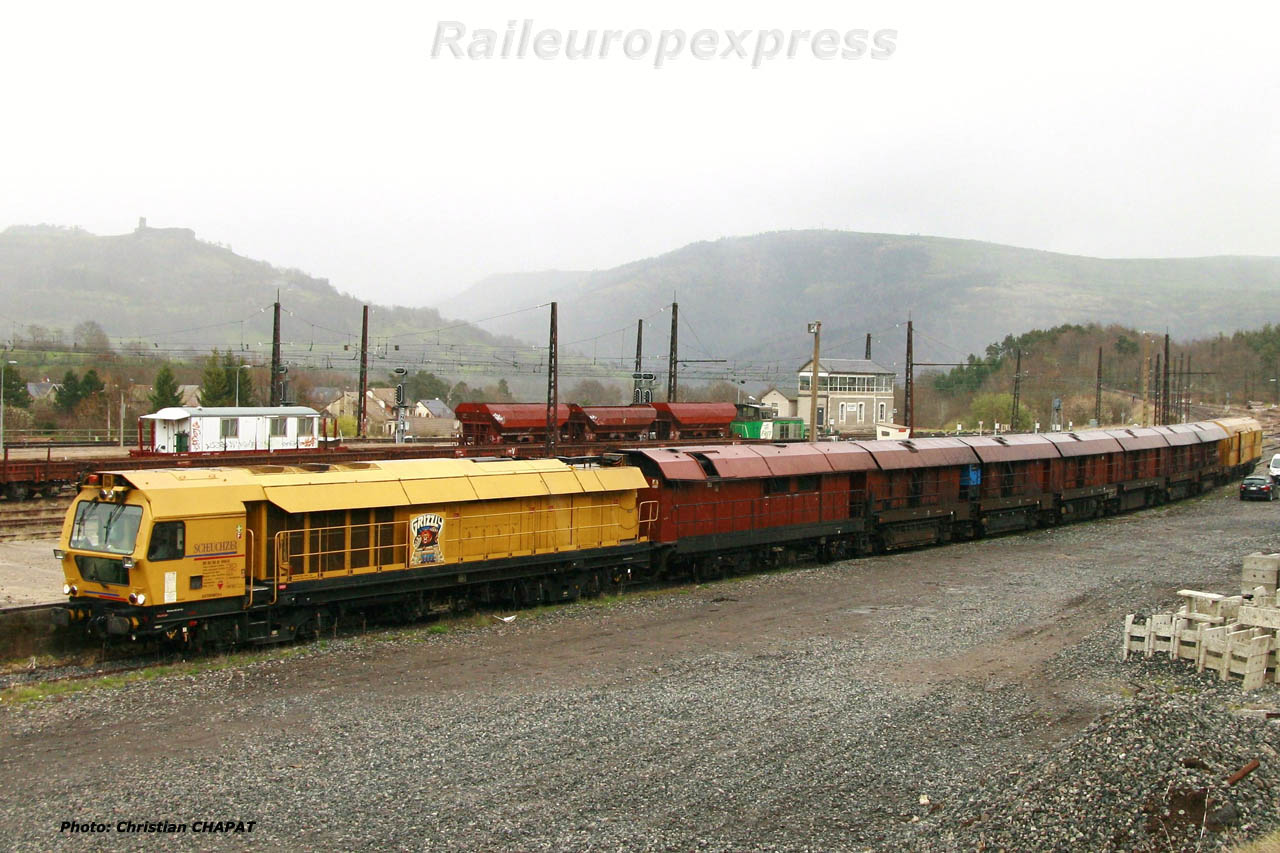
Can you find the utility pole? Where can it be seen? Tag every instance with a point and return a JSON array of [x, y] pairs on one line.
[[868, 354], [553, 388], [361, 414], [907, 403], [1165, 392], [1097, 392], [671, 361], [1017, 391], [636, 394], [275, 355], [815, 329]]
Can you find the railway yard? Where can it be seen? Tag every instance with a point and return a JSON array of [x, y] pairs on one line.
[[968, 697]]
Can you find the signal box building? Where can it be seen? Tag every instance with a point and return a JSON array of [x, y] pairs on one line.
[[854, 395]]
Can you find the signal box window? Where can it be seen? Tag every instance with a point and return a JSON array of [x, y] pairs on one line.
[[279, 427], [230, 427], [168, 541]]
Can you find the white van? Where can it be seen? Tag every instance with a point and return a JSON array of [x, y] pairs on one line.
[[1274, 468]]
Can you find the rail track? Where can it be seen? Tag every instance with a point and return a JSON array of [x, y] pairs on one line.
[[36, 519]]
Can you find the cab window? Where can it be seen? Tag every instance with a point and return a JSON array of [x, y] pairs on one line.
[[105, 526], [168, 541]]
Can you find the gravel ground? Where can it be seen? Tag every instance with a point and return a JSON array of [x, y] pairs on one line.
[[29, 574], [959, 698]]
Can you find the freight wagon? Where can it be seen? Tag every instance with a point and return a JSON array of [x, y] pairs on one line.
[[265, 553]]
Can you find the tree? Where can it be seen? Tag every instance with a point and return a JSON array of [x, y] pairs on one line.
[[463, 393], [214, 389], [996, 408], [236, 378], [69, 395], [164, 391], [90, 384], [15, 388], [593, 392], [90, 337], [424, 386]]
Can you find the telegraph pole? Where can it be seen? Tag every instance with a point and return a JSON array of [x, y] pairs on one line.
[[364, 372], [907, 403], [1017, 390], [671, 361], [553, 388], [1097, 392], [815, 329], [275, 354]]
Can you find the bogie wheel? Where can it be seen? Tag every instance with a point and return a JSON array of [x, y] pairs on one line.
[[519, 595]]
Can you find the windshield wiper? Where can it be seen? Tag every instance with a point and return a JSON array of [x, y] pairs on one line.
[[106, 528]]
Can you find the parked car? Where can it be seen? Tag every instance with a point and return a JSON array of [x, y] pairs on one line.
[[1258, 487], [1274, 468]]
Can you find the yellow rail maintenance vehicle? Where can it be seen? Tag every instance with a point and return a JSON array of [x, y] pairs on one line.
[[1243, 447], [234, 555]]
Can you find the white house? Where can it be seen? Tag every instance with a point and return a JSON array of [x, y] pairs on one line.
[[782, 405], [185, 429], [854, 395]]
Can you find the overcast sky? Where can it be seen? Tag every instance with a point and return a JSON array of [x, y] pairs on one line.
[[326, 137]]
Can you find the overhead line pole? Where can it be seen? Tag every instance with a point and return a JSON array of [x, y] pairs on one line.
[[1159, 401], [1187, 388], [1097, 392], [671, 366], [553, 388], [1146, 377], [361, 413], [1176, 414], [1165, 385], [815, 329], [275, 353], [636, 395], [1017, 392], [909, 421]]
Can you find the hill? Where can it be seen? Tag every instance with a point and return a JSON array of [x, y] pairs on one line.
[[750, 298], [170, 290]]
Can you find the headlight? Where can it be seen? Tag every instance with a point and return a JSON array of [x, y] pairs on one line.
[[137, 598], [127, 562], [58, 553], [142, 598], [66, 589], [74, 591]]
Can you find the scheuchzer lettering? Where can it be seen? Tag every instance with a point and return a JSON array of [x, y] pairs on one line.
[[214, 547]]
